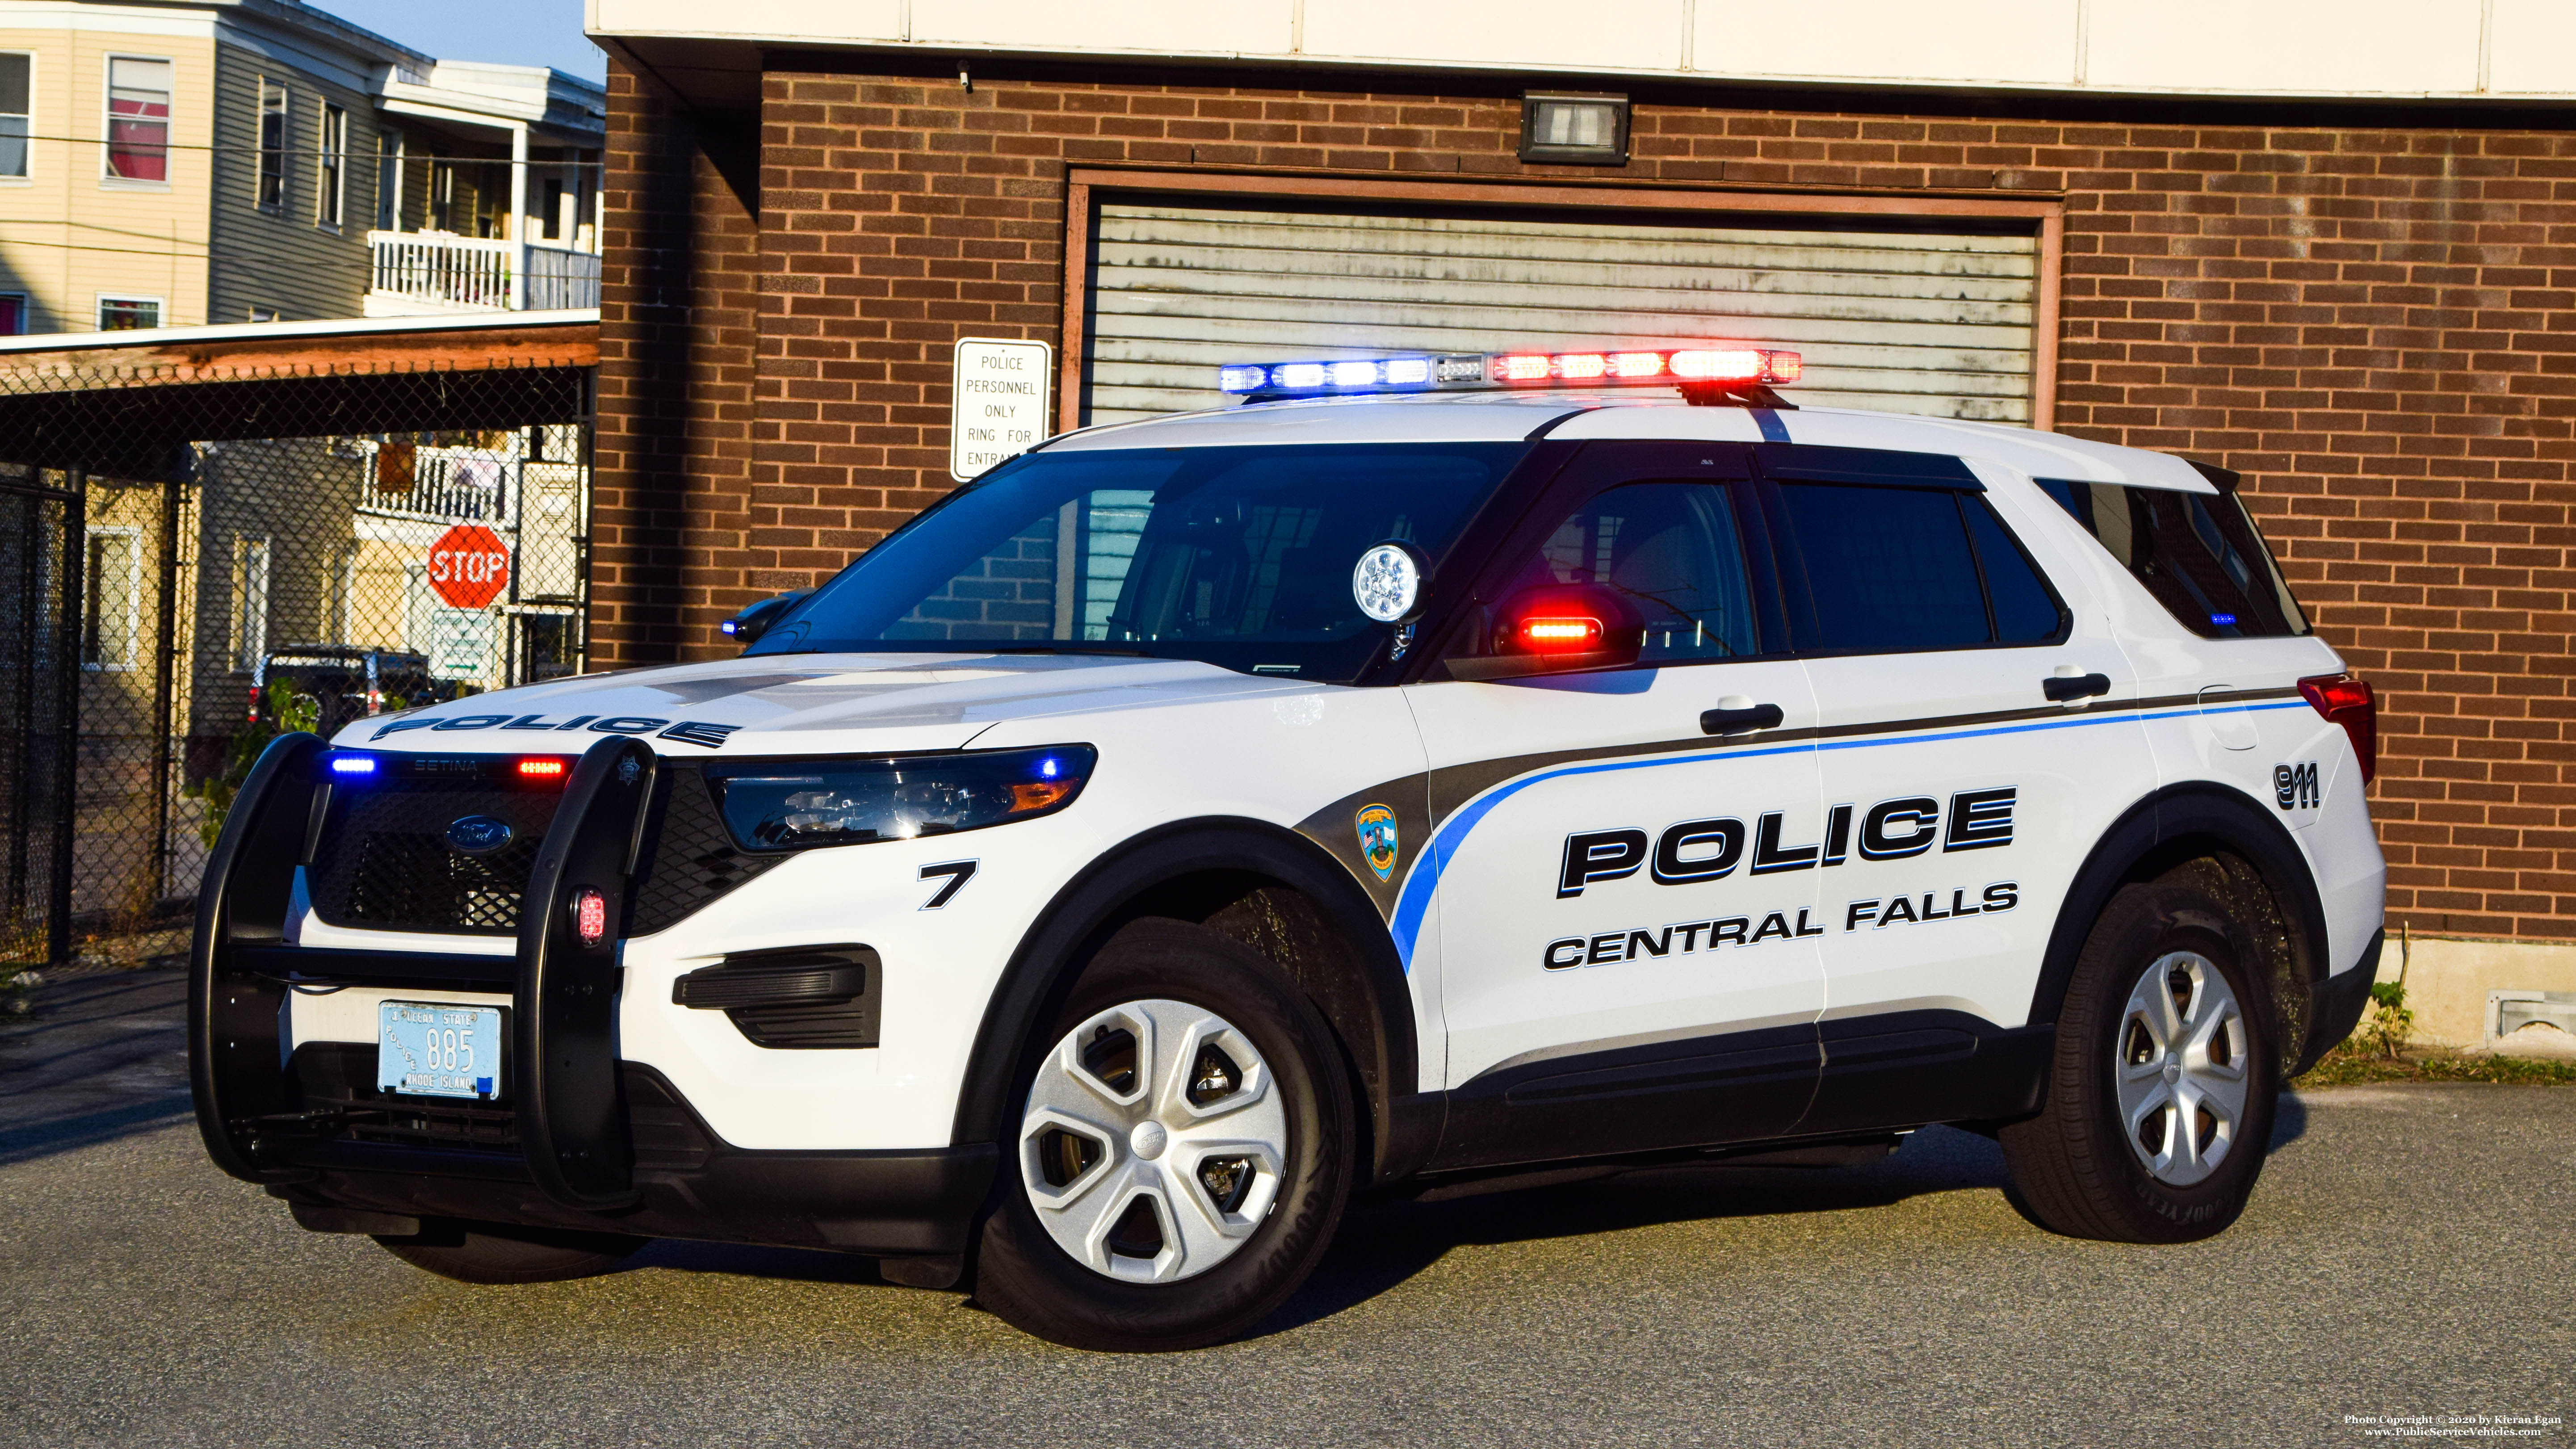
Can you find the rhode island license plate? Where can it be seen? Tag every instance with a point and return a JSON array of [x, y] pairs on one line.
[[437, 1049]]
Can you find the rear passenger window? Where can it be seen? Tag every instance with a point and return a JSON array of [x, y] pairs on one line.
[[2198, 553], [1895, 569], [1672, 551]]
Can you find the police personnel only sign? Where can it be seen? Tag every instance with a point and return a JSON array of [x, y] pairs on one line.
[[998, 405]]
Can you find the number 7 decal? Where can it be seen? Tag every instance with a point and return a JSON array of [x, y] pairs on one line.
[[958, 873]]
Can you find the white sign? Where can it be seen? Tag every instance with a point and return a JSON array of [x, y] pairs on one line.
[[998, 405]]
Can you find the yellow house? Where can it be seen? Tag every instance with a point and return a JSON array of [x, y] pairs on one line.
[[227, 161]]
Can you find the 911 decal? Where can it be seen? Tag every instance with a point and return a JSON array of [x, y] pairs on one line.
[[2295, 786]]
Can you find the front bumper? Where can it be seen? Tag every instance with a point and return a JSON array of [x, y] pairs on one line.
[[581, 1138], [688, 1182]]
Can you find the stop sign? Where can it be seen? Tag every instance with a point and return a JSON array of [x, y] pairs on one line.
[[469, 566]]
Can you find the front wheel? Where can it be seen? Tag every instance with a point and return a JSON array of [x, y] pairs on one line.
[[1182, 1154], [2159, 1106]]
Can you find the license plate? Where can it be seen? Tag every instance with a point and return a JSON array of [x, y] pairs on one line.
[[436, 1049]]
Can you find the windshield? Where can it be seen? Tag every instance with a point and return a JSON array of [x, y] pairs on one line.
[[1240, 557]]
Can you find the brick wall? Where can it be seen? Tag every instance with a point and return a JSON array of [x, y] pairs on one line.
[[2376, 326]]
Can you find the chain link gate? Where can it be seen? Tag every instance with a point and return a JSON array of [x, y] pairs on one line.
[[188, 568]]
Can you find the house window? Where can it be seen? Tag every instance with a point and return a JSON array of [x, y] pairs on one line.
[[14, 109], [550, 220], [263, 314], [13, 313], [127, 314], [389, 159], [111, 620], [331, 166], [138, 119], [272, 146]]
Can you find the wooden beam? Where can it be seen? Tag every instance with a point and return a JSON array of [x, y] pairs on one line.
[[465, 349]]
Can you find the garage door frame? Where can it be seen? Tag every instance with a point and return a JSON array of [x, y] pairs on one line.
[[1086, 186]]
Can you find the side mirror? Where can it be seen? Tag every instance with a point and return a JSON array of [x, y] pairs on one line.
[[1557, 629], [754, 621]]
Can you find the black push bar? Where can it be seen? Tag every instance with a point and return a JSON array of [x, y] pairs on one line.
[[564, 1076]]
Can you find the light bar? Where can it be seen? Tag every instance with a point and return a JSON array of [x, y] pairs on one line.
[[1719, 367]]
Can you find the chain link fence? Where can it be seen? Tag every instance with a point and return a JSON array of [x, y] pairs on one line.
[[188, 568]]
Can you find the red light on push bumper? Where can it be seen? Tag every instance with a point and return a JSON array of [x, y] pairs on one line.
[[2349, 702], [1559, 634], [541, 769], [590, 915]]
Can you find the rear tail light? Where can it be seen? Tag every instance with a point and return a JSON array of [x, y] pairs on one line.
[[1558, 634], [2348, 701]]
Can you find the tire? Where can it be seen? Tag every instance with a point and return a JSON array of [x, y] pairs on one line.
[[1155, 1197], [493, 1253], [2138, 1143]]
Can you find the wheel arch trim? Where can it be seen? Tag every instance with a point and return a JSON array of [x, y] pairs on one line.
[[1094, 902], [2170, 817]]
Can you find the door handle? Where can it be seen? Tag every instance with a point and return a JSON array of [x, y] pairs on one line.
[[2063, 687], [1736, 721]]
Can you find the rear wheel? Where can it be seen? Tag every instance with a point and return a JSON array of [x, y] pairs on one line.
[[1182, 1153], [495, 1253], [2159, 1108]]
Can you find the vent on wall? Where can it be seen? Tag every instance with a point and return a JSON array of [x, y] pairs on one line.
[[810, 997]]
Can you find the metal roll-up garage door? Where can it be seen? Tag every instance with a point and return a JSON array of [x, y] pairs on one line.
[[1901, 320]]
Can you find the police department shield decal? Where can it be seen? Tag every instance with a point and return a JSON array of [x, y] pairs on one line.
[[1376, 825]]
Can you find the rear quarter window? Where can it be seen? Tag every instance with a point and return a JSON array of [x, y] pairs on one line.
[[1890, 570], [2198, 553]]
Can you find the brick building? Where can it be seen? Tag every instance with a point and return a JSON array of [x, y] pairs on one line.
[[2331, 246]]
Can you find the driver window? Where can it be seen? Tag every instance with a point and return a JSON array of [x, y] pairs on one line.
[[1673, 551]]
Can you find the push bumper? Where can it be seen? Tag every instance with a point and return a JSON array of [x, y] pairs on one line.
[[582, 1139]]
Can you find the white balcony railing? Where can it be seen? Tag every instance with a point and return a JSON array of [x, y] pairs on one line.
[[558, 277], [431, 272]]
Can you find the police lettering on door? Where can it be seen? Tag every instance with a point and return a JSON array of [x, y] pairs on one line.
[[1692, 852]]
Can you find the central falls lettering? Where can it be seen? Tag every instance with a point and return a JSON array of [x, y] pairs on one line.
[[1690, 852], [1686, 938]]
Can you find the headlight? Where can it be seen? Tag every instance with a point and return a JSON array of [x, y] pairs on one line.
[[795, 805]]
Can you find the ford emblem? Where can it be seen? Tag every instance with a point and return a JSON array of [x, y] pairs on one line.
[[478, 834]]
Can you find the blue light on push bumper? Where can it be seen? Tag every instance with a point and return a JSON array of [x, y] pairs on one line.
[[346, 765]]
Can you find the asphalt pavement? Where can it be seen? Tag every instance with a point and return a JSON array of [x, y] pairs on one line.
[[2411, 1252]]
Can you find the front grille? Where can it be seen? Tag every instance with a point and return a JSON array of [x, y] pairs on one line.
[[384, 864], [693, 858]]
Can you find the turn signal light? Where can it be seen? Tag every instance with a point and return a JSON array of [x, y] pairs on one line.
[[590, 915], [1560, 634], [2348, 701]]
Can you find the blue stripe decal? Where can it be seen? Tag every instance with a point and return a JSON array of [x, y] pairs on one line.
[[1414, 902], [1768, 420]]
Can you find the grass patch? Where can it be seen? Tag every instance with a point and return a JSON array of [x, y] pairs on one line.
[[2350, 1065]]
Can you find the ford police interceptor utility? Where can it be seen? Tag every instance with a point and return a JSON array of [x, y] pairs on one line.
[[1435, 767]]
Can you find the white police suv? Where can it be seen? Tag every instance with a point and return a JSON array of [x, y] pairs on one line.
[[1194, 822]]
